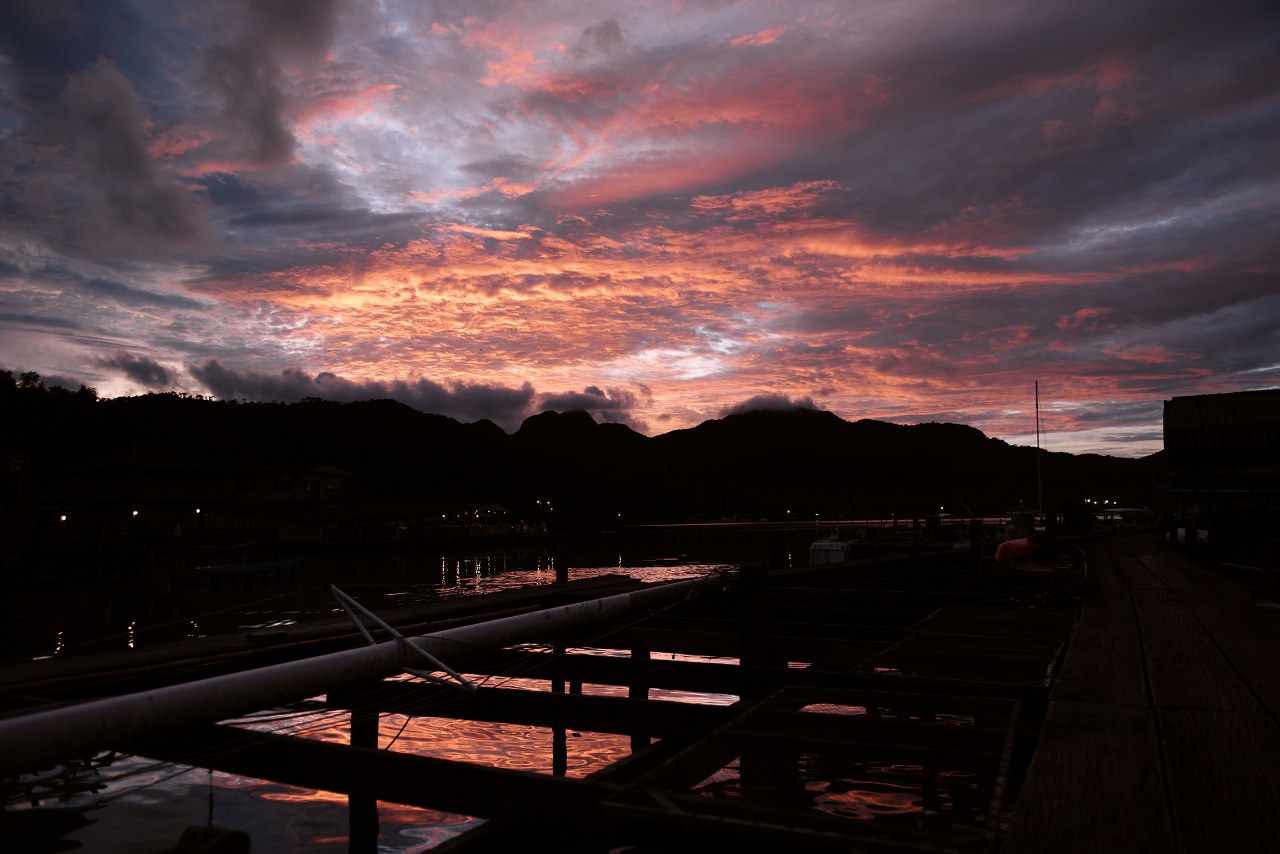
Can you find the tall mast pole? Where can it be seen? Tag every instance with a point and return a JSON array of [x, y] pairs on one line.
[[1039, 492]]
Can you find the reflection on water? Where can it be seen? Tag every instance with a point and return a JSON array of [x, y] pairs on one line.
[[60, 622], [863, 783], [864, 790]]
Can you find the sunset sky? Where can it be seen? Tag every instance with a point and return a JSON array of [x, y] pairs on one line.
[[907, 210]]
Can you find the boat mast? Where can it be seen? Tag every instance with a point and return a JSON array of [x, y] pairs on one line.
[[1039, 492]]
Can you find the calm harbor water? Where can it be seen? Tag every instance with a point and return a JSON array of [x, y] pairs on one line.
[[133, 612]]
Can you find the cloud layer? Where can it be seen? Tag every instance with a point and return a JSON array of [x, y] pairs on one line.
[[911, 211]]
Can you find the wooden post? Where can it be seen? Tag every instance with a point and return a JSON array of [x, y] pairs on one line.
[[1269, 565], [559, 735], [754, 639], [915, 554], [362, 810], [638, 689]]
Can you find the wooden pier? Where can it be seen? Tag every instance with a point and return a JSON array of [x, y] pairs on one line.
[[1163, 727], [903, 704]]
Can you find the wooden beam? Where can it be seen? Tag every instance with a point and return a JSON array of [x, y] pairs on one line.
[[659, 718], [402, 778], [787, 646]]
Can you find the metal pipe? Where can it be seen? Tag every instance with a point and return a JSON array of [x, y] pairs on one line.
[[74, 731]]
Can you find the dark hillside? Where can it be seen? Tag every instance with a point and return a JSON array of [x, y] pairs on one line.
[[756, 465]]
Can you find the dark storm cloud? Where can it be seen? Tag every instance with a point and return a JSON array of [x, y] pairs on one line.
[[613, 405], [78, 174], [603, 39], [141, 369], [979, 116], [768, 403], [245, 73], [124, 294], [45, 41], [504, 406], [297, 215], [591, 399], [131, 195]]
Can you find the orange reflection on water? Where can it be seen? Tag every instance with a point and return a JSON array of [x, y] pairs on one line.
[[864, 805], [866, 790]]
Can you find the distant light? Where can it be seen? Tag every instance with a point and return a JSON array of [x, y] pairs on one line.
[[197, 511], [62, 518], [135, 512]]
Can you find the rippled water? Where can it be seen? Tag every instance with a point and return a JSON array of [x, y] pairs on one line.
[[86, 618]]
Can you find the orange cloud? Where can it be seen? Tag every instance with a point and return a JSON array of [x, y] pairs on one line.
[[766, 36], [751, 204], [507, 187]]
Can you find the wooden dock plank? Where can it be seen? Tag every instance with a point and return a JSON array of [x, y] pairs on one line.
[[1104, 663], [1247, 635], [1184, 665], [1223, 773], [1175, 573], [1005, 622], [1094, 784], [1132, 572]]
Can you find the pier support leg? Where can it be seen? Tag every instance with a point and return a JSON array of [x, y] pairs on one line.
[[917, 582], [754, 639], [362, 810], [1269, 549], [559, 734], [638, 689]]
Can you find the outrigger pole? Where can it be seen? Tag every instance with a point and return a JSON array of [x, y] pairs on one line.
[[28, 741]]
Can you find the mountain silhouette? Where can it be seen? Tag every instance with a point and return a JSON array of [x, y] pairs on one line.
[[753, 465]]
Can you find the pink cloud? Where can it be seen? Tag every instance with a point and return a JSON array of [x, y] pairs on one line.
[[675, 174], [1084, 318], [177, 141], [1149, 354]]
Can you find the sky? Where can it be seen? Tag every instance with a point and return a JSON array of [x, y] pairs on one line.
[[660, 211]]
